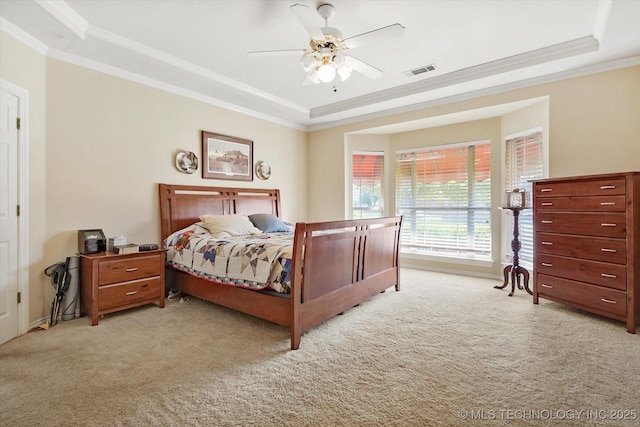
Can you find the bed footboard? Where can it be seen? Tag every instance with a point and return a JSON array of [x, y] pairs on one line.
[[340, 264]]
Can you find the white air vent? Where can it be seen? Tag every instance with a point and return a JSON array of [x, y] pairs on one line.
[[421, 70]]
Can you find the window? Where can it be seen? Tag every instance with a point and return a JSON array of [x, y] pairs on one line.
[[367, 179], [444, 194], [523, 163]]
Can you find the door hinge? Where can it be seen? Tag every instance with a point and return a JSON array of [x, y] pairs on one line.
[[19, 297], [18, 210], [18, 123]]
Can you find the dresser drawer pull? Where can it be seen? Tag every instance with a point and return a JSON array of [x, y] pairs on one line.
[[131, 292], [547, 221], [544, 285], [609, 276], [546, 264], [547, 204], [608, 301], [548, 243], [608, 250], [608, 224], [607, 203], [129, 270], [546, 190], [607, 187]]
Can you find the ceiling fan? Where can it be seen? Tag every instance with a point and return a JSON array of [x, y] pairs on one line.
[[328, 53]]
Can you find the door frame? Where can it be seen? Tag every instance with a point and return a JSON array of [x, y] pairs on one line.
[[23, 200]]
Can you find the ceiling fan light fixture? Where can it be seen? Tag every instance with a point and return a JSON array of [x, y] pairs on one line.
[[308, 62], [344, 72], [338, 59], [313, 76], [326, 73]]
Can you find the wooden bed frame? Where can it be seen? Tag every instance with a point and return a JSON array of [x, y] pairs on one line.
[[331, 272]]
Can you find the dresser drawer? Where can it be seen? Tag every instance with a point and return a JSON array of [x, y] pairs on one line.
[[124, 294], [595, 187], [607, 224], [595, 203], [597, 297], [591, 248], [598, 273], [124, 270]]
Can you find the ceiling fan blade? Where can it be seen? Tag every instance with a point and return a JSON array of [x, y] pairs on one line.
[[286, 52], [394, 30], [362, 67], [308, 19]]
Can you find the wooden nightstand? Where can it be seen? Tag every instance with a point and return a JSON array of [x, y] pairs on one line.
[[111, 282]]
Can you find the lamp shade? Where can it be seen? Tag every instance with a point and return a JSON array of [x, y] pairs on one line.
[[516, 198], [326, 73], [308, 62]]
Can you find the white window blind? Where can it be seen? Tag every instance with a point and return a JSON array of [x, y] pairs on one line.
[[367, 179], [524, 162], [445, 196]]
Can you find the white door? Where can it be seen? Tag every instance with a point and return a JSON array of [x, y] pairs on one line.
[[8, 216]]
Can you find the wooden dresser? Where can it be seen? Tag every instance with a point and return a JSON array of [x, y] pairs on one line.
[[587, 237], [111, 282]]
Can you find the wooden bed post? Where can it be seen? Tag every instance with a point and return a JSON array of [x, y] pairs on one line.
[[295, 293]]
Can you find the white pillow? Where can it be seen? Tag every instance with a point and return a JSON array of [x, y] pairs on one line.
[[228, 225]]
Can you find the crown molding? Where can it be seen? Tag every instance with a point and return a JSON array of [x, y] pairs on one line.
[[22, 36], [616, 64], [66, 15], [157, 84], [165, 58], [602, 18], [523, 60]]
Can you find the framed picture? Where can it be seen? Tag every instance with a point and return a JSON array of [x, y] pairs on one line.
[[226, 157]]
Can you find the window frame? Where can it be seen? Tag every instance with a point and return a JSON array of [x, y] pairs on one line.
[[382, 183], [468, 255]]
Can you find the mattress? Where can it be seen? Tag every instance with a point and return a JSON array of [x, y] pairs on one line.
[[254, 261]]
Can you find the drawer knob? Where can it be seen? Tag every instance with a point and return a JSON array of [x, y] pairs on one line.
[[131, 292], [547, 204], [547, 264], [546, 190], [608, 250], [609, 276], [607, 203], [548, 243], [129, 270], [607, 187], [547, 221], [608, 301], [544, 285], [608, 224]]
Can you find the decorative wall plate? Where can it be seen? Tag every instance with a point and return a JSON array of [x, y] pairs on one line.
[[263, 170], [186, 161]]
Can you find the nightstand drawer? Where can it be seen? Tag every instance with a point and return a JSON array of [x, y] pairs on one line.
[[594, 272], [124, 294], [594, 204], [124, 270], [606, 224], [596, 187], [593, 248], [596, 297]]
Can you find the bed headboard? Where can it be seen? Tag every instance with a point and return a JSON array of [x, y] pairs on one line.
[[182, 205]]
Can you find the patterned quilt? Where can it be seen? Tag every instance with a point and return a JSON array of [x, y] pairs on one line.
[[256, 261]]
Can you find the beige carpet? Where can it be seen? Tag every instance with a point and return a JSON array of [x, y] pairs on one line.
[[445, 350]]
